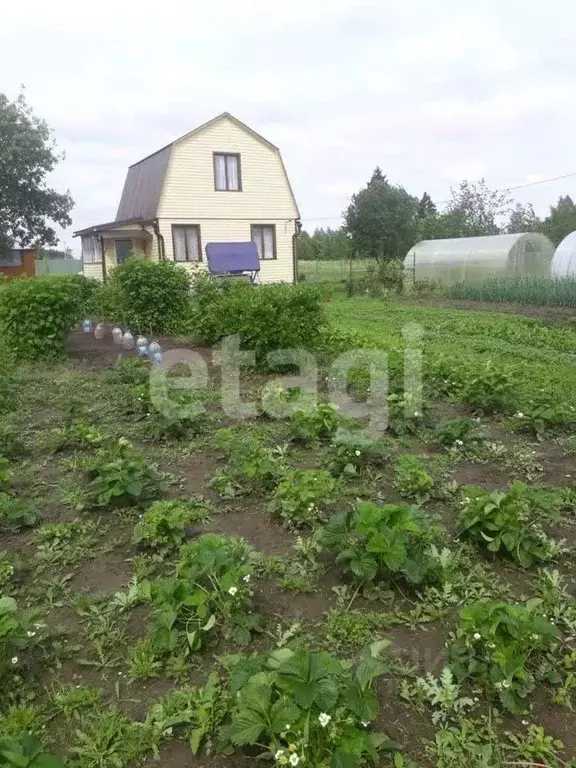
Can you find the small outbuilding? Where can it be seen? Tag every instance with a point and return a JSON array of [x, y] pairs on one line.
[[564, 261], [18, 262], [475, 258]]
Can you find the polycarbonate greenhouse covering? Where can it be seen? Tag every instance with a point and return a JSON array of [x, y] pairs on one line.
[[467, 258], [564, 261]]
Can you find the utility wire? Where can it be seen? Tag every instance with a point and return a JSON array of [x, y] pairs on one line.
[[444, 202]]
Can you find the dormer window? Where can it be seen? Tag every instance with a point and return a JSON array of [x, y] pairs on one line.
[[227, 174]]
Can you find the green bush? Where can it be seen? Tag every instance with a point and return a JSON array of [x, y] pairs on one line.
[[266, 317], [37, 314], [147, 295]]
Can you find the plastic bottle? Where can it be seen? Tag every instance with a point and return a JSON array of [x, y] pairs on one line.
[[157, 358], [128, 340], [141, 341], [100, 331], [142, 350], [117, 335], [153, 348], [87, 326]]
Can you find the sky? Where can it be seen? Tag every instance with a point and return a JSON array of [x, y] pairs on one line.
[[432, 92]]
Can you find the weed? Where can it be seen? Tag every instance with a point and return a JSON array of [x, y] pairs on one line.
[[412, 480], [536, 747], [65, 543], [11, 447], [443, 694], [347, 631], [107, 738], [72, 700]]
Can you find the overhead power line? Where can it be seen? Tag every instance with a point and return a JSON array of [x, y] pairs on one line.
[[444, 202]]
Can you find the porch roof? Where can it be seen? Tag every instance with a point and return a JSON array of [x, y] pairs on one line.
[[117, 228]]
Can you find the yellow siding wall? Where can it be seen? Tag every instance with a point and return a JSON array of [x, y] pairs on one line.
[[143, 247], [279, 270], [93, 270], [188, 195]]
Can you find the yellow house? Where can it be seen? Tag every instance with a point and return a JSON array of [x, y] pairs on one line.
[[222, 182]]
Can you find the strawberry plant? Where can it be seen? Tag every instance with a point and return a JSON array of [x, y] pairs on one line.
[[299, 499], [352, 451], [489, 390], [27, 752], [164, 524], [502, 521], [376, 543], [251, 466], [20, 631], [498, 646], [412, 479], [308, 709], [319, 423], [120, 476], [544, 415], [15, 513], [209, 594], [404, 416], [459, 432]]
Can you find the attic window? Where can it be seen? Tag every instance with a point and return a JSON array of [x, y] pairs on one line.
[[227, 174]]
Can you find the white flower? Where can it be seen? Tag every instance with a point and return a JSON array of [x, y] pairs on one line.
[[294, 759], [477, 636], [364, 724], [357, 453], [525, 722], [232, 591], [505, 684], [416, 413], [324, 719], [279, 754], [14, 659], [246, 578], [30, 634], [458, 442]]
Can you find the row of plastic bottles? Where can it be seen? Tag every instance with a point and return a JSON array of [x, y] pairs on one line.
[[152, 350]]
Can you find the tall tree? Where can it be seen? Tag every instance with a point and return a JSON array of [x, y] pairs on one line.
[[561, 220], [381, 219], [27, 155], [523, 219], [479, 209], [426, 206]]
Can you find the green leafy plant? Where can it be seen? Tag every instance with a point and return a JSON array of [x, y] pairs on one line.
[[459, 432], [15, 513], [352, 452], [307, 708], [8, 392], [412, 479], [210, 594], [251, 466], [64, 543], [11, 447], [497, 645], [20, 631], [319, 423], [27, 752], [265, 319], [501, 521], [544, 415], [490, 390], [376, 543], [406, 416], [443, 694], [301, 496], [37, 315], [121, 476], [536, 746], [108, 738], [164, 524], [149, 295]]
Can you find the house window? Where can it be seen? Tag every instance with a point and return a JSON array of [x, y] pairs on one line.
[[227, 174], [264, 235], [11, 259], [186, 241], [91, 249]]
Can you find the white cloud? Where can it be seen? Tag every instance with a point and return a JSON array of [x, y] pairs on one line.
[[431, 92]]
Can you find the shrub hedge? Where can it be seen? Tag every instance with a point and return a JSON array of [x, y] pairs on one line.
[[266, 317], [146, 295], [37, 314]]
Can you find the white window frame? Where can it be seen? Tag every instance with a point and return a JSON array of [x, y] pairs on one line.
[[257, 236]]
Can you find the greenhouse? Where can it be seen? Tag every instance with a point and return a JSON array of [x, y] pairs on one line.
[[475, 258], [564, 261]]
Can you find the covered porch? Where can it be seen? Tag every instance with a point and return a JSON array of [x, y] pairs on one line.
[[106, 245]]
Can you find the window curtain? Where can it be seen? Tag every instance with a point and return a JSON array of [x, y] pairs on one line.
[[192, 243], [179, 244], [220, 171], [232, 164], [268, 241]]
